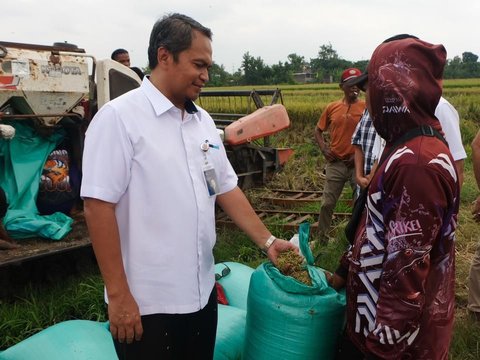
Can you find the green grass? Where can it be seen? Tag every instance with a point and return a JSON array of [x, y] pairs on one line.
[[38, 307], [465, 344]]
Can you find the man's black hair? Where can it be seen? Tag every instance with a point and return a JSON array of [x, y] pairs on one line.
[[118, 52], [174, 33]]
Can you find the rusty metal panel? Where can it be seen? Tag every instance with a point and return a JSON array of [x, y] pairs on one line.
[[43, 81]]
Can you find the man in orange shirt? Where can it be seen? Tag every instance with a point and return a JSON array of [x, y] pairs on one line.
[[340, 119]]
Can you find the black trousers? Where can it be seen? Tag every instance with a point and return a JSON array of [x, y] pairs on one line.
[[175, 336]]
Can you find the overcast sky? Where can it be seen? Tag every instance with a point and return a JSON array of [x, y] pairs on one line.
[[270, 29]]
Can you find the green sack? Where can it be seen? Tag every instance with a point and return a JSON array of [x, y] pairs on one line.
[[287, 319], [72, 340], [230, 333]]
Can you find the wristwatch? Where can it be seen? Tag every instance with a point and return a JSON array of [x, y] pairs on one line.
[[269, 243]]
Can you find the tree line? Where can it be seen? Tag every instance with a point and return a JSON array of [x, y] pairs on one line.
[[325, 68]]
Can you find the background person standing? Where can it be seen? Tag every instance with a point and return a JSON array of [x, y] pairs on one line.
[[450, 121], [340, 119], [363, 140], [122, 56]]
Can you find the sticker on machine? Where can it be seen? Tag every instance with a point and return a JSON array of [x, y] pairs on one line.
[[21, 68], [9, 82]]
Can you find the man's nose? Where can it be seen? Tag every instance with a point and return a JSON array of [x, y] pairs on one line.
[[204, 75]]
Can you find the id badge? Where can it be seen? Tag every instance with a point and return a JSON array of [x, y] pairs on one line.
[[211, 180]]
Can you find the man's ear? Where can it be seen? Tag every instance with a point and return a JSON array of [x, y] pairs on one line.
[[163, 55]]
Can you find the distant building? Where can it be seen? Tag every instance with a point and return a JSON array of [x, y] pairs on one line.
[[327, 79], [303, 77]]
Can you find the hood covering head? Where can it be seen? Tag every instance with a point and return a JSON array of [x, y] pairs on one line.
[[404, 86]]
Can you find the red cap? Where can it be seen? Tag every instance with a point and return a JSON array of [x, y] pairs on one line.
[[349, 74]]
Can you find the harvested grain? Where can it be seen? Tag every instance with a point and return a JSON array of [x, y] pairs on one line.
[[292, 264]]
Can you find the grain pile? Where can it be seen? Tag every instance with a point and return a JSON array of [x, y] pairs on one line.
[[292, 264]]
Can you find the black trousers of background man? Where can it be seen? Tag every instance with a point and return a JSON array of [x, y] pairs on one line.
[[175, 336]]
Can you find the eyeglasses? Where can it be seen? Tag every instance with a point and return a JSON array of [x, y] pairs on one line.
[[225, 272]]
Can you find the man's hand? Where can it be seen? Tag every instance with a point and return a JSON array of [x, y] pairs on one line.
[[476, 209], [350, 162], [123, 312], [124, 317], [328, 154], [335, 280], [279, 246], [362, 181]]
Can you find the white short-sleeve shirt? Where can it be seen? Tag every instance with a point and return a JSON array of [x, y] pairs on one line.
[[450, 121], [141, 155]]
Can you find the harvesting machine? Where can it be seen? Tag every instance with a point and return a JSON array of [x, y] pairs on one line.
[[57, 89]]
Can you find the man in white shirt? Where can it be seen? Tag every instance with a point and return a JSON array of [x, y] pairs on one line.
[[154, 168], [450, 121]]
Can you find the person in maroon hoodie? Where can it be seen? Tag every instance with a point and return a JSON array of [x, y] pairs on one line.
[[400, 271]]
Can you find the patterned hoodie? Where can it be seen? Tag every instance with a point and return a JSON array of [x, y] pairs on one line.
[[400, 283]]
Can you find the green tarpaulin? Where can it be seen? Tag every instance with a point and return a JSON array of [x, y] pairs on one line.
[[21, 163]]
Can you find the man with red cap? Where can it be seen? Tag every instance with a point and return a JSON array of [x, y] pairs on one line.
[[400, 270], [340, 119]]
